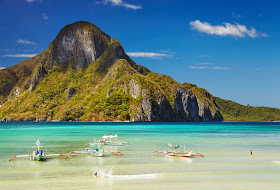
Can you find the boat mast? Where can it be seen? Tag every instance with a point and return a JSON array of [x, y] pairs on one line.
[[38, 145]]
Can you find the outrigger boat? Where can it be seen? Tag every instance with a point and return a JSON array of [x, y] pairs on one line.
[[180, 154], [177, 153], [37, 154], [117, 153], [112, 140], [93, 150]]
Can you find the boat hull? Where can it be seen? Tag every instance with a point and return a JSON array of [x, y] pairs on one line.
[[93, 153], [36, 157]]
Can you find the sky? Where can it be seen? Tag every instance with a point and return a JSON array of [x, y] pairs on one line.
[[231, 48]]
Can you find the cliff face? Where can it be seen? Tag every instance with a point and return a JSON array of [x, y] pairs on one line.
[[186, 107], [86, 75], [78, 44]]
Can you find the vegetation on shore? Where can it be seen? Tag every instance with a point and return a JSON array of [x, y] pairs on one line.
[[233, 111]]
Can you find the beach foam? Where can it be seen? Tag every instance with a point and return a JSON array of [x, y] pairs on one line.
[[101, 172], [108, 172], [134, 176]]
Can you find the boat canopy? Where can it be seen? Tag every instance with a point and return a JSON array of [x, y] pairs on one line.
[[110, 136]]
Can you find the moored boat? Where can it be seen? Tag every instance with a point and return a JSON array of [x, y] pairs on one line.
[[178, 152], [38, 154], [117, 153], [94, 149], [112, 140]]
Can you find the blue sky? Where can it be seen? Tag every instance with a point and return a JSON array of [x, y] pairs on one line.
[[230, 48]]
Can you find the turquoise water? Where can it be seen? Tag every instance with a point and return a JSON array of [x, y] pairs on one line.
[[228, 163]]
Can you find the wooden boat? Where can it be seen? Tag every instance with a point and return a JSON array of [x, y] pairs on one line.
[[177, 152], [37, 154], [117, 153], [94, 150], [112, 140], [180, 154]]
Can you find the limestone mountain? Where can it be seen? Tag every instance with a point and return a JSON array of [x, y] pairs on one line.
[[85, 75]]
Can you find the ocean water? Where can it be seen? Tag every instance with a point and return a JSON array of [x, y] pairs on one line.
[[227, 163]]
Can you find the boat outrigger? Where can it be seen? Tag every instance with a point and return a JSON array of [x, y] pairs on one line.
[[38, 154]]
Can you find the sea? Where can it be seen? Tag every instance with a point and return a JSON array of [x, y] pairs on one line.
[[227, 146]]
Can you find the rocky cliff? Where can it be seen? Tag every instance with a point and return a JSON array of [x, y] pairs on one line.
[[85, 75]]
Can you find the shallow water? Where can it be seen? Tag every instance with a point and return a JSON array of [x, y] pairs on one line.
[[227, 165]]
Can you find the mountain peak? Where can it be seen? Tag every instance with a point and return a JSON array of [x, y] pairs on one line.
[[86, 75], [82, 26], [79, 43]]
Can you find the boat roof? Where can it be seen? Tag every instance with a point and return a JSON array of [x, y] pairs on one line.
[[110, 136]]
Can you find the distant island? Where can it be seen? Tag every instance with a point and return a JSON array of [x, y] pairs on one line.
[[85, 75]]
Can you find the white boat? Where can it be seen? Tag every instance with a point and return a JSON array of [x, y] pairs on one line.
[[112, 140], [37, 154], [94, 149], [178, 152]]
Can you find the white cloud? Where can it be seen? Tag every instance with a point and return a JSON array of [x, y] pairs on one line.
[[204, 56], [13, 50], [234, 15], [167, 51], [201, 66], [20, 55], [147, 54], [122, 4], [205, 67], [28, 50], [21, 41], [227, 29], [45, 17], [264, 35], [7, 50], [205, 64], [1, 68], [31, 1]]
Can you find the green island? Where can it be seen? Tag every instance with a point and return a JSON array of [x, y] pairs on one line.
[[85, 75]]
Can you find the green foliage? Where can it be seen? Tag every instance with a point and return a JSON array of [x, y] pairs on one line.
[[233, 111], [101, 95], [164, 84], [16, 74]]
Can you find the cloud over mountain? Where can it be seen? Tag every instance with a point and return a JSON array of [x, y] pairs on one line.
[[20, 55], [226, 29], [21, 41], [147, 54], [122, 4]]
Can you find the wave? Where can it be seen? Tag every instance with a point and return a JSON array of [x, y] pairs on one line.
[[99, 172], [108, 173], [134, 176]]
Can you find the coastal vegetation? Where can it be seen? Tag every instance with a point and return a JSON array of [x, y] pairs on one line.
[[233, 111]]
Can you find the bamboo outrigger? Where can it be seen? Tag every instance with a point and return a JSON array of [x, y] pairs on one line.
[[37, 154]]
